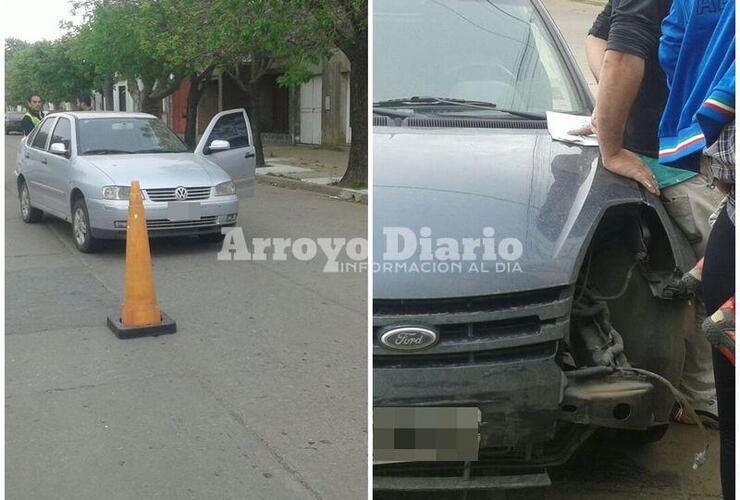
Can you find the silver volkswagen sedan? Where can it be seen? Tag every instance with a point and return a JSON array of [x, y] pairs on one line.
[[78, 166]]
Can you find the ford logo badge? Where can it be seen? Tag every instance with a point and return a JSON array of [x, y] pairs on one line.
[[409, 338]]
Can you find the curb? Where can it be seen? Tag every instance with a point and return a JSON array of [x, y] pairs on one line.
[[333, 191]]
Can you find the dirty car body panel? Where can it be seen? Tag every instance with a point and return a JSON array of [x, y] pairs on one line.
[[508, 341]]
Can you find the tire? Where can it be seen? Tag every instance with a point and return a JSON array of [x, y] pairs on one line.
[[28, 213], [81, 233], [212, 237]]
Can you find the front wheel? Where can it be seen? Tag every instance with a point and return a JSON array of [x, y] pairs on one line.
[[28, 213], [81, 232]]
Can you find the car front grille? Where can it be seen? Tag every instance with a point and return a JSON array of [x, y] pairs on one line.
[[475, 330], [493, 356], [168, 194], [156, 224]]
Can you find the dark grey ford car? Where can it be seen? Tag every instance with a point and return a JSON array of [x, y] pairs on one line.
[[519, 288]]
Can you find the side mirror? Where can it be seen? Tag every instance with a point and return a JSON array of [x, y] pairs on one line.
[[58, 149], [219, 145]]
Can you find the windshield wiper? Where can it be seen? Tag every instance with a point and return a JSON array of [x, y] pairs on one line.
[[106, 152], [417, 101], [413, 101], [512, 112], [156, 150]]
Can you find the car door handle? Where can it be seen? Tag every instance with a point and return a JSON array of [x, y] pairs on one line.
[[250, 154], [43, 160], [26, 155]]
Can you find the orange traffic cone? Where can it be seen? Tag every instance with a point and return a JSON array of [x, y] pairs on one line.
[[140, 313]]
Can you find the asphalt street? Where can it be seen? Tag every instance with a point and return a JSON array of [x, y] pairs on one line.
[[260, 394]]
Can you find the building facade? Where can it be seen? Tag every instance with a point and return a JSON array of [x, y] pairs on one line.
[[316, 112]]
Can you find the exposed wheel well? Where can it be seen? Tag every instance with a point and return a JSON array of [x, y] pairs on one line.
[[630, 265], [626, 313], [74, 196]]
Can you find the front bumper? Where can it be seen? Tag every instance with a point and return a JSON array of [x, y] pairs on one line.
[[107, 218], [502, 357]]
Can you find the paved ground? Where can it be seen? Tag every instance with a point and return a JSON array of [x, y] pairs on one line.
[[309, 167], [260, 394], [330, 161], [306, 163]]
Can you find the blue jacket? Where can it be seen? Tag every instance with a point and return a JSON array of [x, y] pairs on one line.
[[697, 53]]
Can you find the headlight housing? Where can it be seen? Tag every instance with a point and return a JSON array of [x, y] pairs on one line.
[[225, 188], [116, 192]]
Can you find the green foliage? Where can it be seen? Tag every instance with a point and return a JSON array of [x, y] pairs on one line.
[[47, 69], [118, 37], [160, 42], [260, 34]]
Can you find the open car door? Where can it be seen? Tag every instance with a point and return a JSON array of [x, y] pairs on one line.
[[228, 143]]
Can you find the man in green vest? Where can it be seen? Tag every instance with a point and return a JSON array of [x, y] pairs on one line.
[[33, 116]]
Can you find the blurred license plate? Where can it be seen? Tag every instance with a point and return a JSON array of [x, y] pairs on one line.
[[183, 210], [423, 434]]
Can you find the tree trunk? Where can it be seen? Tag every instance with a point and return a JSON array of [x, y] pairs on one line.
[[137, 94], [108, 93], [250, 91], [198, 84], [151, 106], [256, 122], [356, 173], [191, 113]]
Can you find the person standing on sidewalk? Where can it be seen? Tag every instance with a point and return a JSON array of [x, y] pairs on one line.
[[84, 102], [697, 132], [33, 116], [622, 52]]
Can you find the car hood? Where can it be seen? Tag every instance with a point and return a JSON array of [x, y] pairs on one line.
[[159, 170], [539, 198]]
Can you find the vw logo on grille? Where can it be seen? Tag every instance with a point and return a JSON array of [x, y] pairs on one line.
[[181, 193], [409, 338]]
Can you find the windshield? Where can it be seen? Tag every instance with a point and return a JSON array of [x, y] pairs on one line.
[[496, 52], [101, 136]]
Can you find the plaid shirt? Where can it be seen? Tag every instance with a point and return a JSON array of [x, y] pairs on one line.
[[720, 161]]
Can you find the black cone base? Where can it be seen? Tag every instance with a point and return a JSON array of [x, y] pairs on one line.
[[167, 326]]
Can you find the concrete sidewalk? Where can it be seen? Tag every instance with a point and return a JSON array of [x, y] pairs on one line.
[[309, 167], [574, 19]]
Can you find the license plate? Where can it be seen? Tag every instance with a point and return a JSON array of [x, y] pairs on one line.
[[183, 210], [425, 434]]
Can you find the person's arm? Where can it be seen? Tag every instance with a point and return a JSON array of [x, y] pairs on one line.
[[673, 29], [633, 37], [621, 76], [596, 39], [595, 49]]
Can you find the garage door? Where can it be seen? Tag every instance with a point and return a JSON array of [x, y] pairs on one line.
[[311, 111]]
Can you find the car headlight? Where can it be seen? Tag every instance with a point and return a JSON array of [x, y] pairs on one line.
[[225, 188], [116, 192]]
